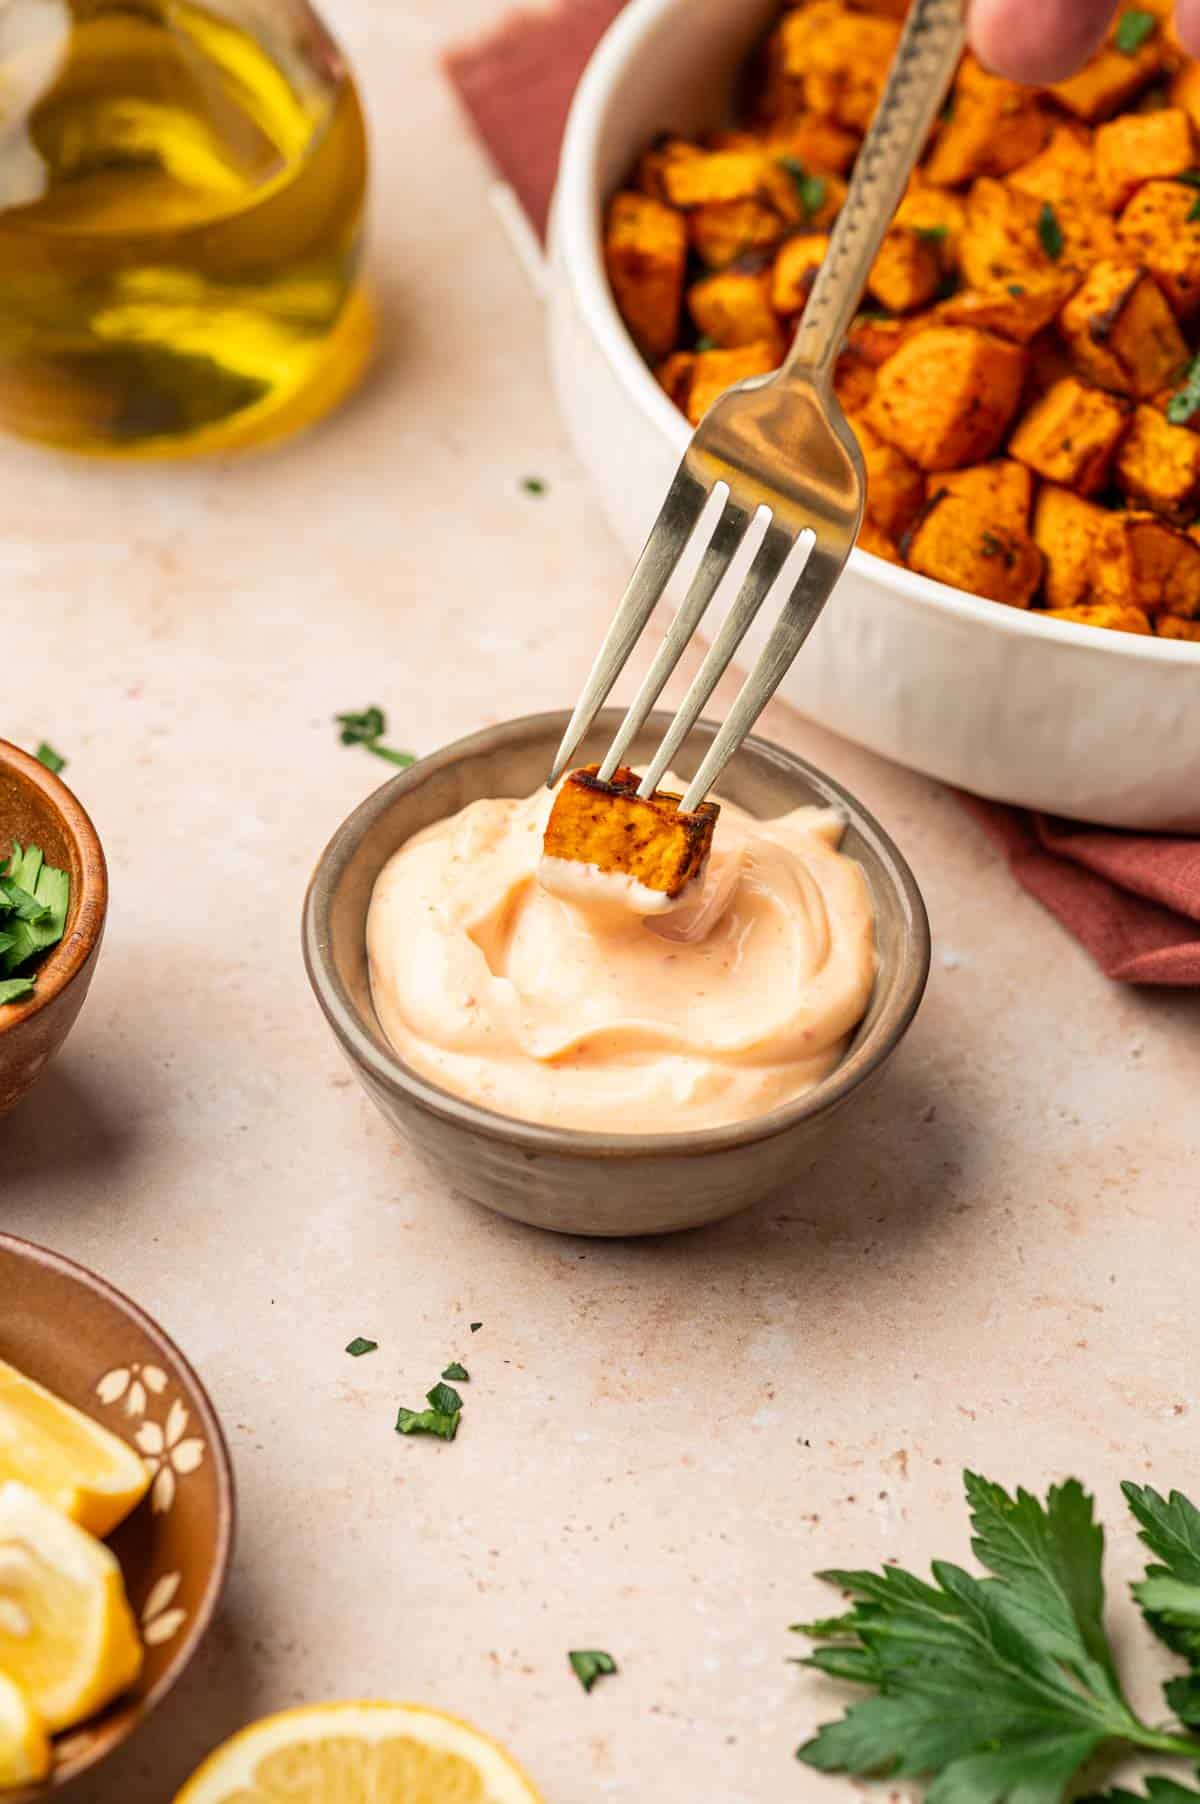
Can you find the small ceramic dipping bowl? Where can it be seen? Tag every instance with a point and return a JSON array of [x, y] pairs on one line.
[[75, 1334], [593, 1183], [37, 808]]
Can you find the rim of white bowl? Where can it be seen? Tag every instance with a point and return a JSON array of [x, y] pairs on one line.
[[576, 237]]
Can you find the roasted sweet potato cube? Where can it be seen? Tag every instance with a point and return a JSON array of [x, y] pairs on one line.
[[991, 126], [874, 339], [958, 543], [645, 252], [853, 382], [1170, 626], [1063, 172], [872, 539], [907, 273], [796, 264], [1164, 568], [1000, 240], [895, 486], [840, 58], [609, 826], [1111, 78], [1001, 491], [819, 145], [652, 164], [1077, 539], [1120, 331], [1137, 148], [1184, 92], [1157, 230], [938, 213], [1119, 618], [947, 395], [1159, 465], [716, 175], [1016, 310], [694, 379], [729, 228], [1071, 435], [733, 307]]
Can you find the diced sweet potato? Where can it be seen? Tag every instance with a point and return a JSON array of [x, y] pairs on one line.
[[645, 252], [1111, 78], [1170, 626], [871, 539], [935, 211], [796, 264], [1001, 491], [695, 379], [991, 126], [853, 382], [609, 826], [895, 486], [1077, 539], [1163, 569], [956, 542], [1071, 435], [1184, 91], [1112, 614], [1120, 331], [729, 228], [1064, 172], [1159, 465], [841, 59], [874, 339], [1016, 310], [947, 395], [1001, 242], [820, 145], [1139, 147], [1158, 230], [652, 164], [907, 273], [716, 175], [733, 307]]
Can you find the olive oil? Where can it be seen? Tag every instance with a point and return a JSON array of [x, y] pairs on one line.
[[181, 203]]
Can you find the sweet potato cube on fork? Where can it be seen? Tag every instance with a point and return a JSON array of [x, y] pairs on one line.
[[609, 826]]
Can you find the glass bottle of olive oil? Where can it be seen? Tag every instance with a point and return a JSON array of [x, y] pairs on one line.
[[181, 204]]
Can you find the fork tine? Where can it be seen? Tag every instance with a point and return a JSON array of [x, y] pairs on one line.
[[685, 502], [717, 557], [769, 560], [790, 631]]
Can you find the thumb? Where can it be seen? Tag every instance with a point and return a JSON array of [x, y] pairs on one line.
[[1036, 41]]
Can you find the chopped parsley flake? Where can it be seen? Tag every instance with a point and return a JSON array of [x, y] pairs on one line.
[[54, 761], [367, 728], [811, 190], [427, 1421], [358, 1346], [1194, 211], [1186, 400], [934, 233], [590, 1664], [444, 1399], [457, 1372], [705, 343], [534, 485], [34, 898], [1050, 233], [1133, 28]]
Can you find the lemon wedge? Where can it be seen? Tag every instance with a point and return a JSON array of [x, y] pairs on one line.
[[66, 1632], [359, 1754], [24, 1743], [65, 1457]]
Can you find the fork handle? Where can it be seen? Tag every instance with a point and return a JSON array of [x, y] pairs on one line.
[[924, 65]]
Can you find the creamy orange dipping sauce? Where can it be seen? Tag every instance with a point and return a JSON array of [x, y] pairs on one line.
[[572, 1009]]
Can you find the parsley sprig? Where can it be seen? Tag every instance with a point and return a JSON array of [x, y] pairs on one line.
[[34, 898], [811, 190], [1001, 1688], [1132, 30], [367, 728], [591, 1663], [1050, 232]]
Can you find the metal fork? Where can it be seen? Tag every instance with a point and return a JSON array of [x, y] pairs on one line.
[[778, 443]]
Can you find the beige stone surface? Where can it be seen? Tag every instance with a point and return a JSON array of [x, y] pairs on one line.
[[993, 1264]]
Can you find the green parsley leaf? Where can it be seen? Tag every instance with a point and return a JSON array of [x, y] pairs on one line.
[[475, 1327], [1169, 1594], [590, 1664], [34, 898], [705, 343], [358, 1346], [811, 190], [1016, 290], [367, 728], [427, 1421], [1050, 233], [15, 989], [1133, 28], [1001, 1688], [454, 1370], [1159, 1790], [1183, 1697], [1189, 177], [534, 485], [1186, 400], [54, 761], [445, 1399], [934, 233], [1193, 212]]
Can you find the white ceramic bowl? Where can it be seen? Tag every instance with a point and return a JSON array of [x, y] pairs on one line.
[[1097, 725]]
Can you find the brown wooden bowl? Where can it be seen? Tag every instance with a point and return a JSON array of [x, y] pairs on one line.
[[74, 1333], [37, 808]]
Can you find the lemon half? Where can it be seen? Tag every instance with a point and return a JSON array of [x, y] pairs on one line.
[[359, 1754], [67, 1635], [65, 1457], [24, 1743]]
